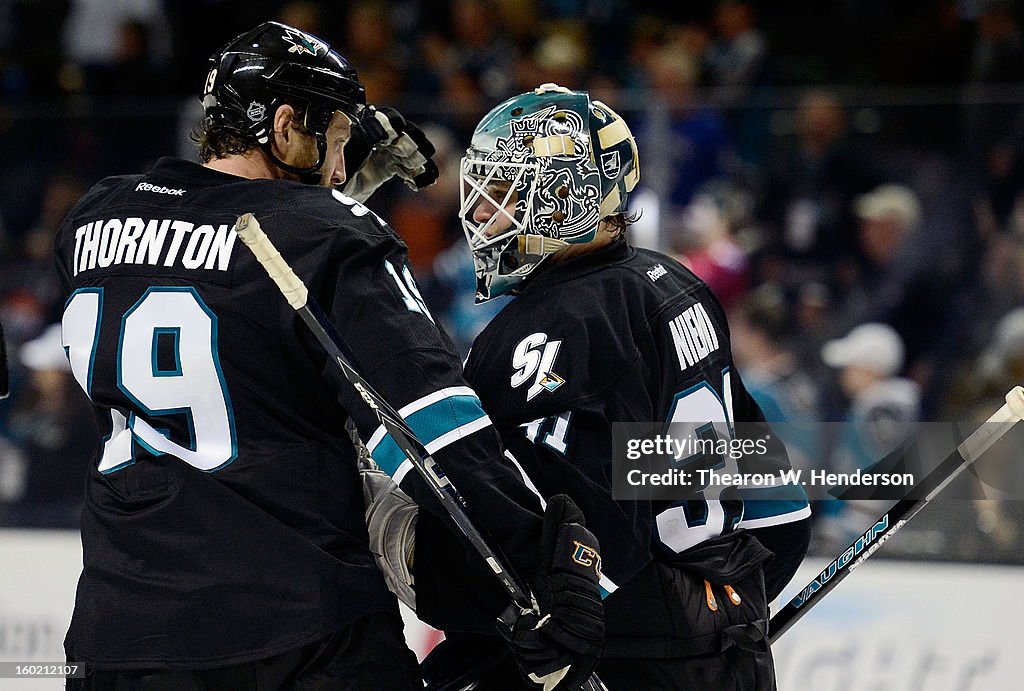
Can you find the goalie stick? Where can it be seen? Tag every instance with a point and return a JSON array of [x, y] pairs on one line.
[[295, 292], [895, 518]]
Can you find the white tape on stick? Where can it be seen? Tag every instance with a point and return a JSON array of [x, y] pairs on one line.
[[292, 287]]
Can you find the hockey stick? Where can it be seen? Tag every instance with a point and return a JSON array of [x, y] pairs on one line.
[[895, 518], [297, 295]]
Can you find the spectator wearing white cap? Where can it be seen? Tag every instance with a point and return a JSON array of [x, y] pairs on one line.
[[900, 282], [870, 359], [882, 413], [888, 215]]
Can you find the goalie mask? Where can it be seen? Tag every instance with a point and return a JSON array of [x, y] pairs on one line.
[[543, 168], [274, 64]]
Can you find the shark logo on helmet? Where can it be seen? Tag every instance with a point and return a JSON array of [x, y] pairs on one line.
[[303, 43]]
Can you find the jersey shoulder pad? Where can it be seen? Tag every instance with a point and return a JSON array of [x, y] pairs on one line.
[[318, 215], [662, 274], [338, 209], [101, 192], [96, 198]]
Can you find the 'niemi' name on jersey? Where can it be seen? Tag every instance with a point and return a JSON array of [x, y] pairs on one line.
[[166, 242], [693, 336]]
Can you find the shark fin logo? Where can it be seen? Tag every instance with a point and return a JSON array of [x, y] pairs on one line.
[[551, 381], [303, 43]]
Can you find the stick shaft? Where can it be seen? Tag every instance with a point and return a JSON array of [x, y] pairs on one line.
[[891, 521]]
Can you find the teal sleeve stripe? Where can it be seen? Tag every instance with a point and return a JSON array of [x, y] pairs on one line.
[[430, 424], [752, 510], [786, 492], [766, 502]]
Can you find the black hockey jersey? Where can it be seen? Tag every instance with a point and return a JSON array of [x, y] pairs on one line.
[[609, 338], [223, 519]]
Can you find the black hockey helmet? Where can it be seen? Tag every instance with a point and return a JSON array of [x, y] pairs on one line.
[[258, 71]]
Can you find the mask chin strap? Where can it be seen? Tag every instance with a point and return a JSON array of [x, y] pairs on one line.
[[539, 244], [310, 175]]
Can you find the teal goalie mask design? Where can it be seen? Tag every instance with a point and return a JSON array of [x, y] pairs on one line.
[[543, 168]]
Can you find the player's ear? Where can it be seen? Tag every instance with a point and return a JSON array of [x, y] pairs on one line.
[[282, 131]]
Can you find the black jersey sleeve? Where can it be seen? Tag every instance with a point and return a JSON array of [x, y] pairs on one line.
[[372, 298]]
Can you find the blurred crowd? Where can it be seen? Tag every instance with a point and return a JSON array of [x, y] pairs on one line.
[[847, 177]]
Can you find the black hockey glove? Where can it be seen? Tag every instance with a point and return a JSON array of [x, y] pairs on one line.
[[384, 145], [558, 646]]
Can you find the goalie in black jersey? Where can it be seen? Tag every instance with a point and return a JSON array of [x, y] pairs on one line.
[[223, 530], [602, 333]]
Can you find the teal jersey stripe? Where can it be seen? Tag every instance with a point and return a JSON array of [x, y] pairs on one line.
[[753, 510], [430, 423], [765, 502]]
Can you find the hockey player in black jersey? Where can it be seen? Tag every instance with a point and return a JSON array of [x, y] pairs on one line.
[[602, 333], [223, 535]]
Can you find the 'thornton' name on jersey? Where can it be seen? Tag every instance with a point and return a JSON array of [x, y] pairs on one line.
[[693, 335], [153, 242]]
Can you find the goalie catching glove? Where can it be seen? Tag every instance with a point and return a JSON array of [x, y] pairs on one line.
[[383, 145], [557, 645]]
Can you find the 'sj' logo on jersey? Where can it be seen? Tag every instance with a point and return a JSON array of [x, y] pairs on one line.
[[533, 360]]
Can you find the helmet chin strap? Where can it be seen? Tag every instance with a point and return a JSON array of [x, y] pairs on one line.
[[309, 175], [539, 244]]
